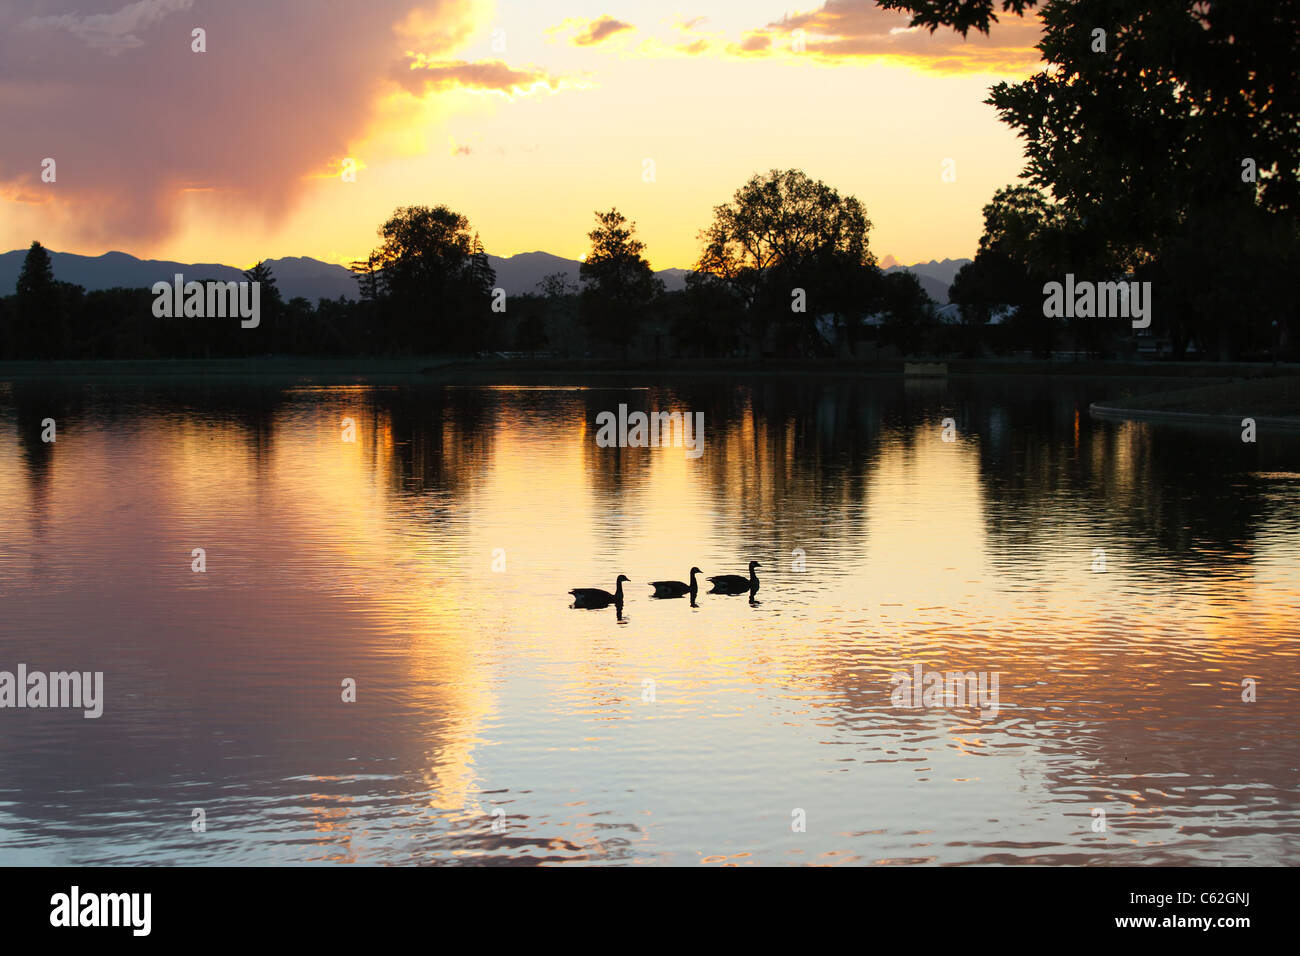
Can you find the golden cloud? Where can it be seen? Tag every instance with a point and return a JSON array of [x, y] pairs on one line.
[[853, 30], [584, 32], [423, 75], [856, 31]]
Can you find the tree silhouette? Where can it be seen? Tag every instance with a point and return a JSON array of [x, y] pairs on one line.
[[262, 273], [436, 278], [910, 322], [785, 231], [276, 329], [36, 278], [1158, 124], [708, 317], [40, 313], [369, 278], [962, 15], [1028, 240], [557, 285], [618, 283]]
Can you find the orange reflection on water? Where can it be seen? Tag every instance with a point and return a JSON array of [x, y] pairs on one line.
[[682, 733]]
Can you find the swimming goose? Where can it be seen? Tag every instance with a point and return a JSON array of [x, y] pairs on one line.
[[676, 589], [597, 598], [736, 583]]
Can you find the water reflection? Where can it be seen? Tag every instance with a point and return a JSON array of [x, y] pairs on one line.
[[428, 561]]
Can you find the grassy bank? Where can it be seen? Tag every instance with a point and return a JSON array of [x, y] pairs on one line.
[[1273, 397]]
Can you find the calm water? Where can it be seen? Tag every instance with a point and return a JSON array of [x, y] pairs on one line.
[[482, 697]]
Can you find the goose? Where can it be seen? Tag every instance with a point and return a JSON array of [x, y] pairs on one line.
[[736, 583], [597, 598], [676, 589]]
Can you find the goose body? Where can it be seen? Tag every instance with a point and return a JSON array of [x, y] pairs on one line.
[[676, 589], [736, 583], [598, 597]]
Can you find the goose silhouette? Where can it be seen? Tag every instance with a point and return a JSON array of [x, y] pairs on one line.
[[736, 583], [595, 598], [676, 589]]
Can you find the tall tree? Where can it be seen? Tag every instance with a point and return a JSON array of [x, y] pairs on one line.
[[1152, 121], [436, 277], [275, 331], [618, 283], [369, 278], [36, 278], [1197, 85], [784, 232], [40, 315]]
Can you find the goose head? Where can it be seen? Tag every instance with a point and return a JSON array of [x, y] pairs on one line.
[[753, 565], [696, 571], [622, 578]]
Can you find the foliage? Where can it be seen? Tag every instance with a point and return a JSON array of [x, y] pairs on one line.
[[1167, 133], [783, 232], [618, 283]]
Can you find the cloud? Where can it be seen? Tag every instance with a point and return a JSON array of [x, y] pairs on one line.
[[111, 32], [848, 30], [423, 75], [601, 29], [686, 38], [591, 32], [845, 32], [135, 119]]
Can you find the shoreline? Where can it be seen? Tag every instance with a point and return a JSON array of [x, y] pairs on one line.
[[1272, 402], [1111, 413], [1197, 394], [493, 371]]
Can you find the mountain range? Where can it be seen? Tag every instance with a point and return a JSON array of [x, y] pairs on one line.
[[313, 279], [935, 277]]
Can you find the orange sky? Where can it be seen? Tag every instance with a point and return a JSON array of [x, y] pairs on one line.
[[524, 117]]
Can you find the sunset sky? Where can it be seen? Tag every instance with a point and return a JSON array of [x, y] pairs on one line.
[[524, 116]]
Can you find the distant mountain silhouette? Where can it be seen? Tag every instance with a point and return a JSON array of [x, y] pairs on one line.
[[295, 276], [935, 277]]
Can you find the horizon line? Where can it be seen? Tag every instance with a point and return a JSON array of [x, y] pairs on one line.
[[686, 269]]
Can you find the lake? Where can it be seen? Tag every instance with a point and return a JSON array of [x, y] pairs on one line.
[[1127, 584]]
